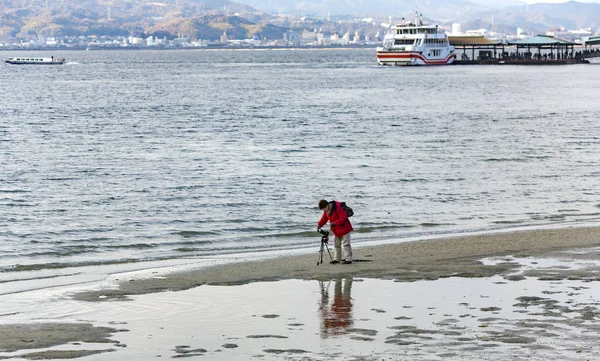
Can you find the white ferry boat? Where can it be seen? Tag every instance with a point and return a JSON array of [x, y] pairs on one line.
[[27, 60], [415, 44]]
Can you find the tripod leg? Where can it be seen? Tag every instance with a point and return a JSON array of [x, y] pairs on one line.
[[320, 259], [328, 251]]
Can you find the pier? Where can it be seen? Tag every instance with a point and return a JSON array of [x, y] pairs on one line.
[[538, 50]]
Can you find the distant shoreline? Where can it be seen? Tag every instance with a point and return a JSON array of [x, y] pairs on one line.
[[325, 47]]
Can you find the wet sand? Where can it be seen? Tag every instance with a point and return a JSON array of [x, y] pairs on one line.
[[420, 260], [532, 321]]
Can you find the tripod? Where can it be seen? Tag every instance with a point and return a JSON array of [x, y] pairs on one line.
[[324, 245]]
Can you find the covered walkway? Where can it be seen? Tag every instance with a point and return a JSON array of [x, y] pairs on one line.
[[590, 46], [471, 49], [548, 48]]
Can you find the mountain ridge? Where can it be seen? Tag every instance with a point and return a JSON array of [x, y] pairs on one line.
[[209, 19]]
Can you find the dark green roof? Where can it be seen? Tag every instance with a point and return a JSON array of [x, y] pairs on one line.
[[592, 40], [540, 40]]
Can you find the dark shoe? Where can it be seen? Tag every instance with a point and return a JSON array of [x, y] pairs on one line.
[[334, 262], [346, 262]]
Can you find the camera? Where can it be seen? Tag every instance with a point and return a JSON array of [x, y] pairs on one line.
[[324, 232]]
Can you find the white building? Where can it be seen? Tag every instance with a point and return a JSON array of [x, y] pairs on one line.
[[479, 32], [135, 40], [456, 29]]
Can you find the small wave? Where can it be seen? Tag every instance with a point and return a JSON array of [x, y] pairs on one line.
[[556, 217], [504, 160], [509, 222], [39, 278], [433, 224], [576, 214], [336, 146], [412, 180], [300, 150], [383, 228], [186, 249], [59, 179], [62, 265], [132, 246], [189, 234], [13, 204], [293, 234], [539, 157], [435, 141], [188, 243]]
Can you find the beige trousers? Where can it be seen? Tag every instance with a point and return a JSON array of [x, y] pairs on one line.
[[342, 242]]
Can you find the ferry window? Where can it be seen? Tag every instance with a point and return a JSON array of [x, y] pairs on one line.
[[404, 42]]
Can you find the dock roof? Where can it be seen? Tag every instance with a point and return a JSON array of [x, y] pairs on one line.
[[592, 40], [540, 40], [472, 41]]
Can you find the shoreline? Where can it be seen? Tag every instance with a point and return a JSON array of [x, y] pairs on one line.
[[132, 48], [454, 256]]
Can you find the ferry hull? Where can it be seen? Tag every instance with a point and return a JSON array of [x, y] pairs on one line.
[[410, 58], [32, 63]]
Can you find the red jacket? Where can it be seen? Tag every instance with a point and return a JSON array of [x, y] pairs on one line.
[[340, 224]]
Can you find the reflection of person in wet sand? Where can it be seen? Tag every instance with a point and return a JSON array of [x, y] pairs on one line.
[[336, 316]]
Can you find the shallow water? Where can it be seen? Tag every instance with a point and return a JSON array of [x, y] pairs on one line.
[[345, 318], [125, 157]]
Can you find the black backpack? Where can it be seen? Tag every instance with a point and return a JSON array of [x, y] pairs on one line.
[[348, 210]]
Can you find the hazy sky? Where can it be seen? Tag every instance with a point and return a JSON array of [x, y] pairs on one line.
[[559, 1]]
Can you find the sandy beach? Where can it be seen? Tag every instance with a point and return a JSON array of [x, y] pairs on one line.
[[505, 296]]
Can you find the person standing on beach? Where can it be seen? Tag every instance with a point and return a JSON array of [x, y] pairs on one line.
[[340, 226]]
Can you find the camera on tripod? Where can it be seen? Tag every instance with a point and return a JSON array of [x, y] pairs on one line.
[[324, 246], [325, 234]]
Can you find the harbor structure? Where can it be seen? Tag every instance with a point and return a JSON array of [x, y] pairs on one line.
[[536, 50], [590, 41]]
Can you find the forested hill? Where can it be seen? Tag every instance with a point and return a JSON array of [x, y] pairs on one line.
[[198, 19]]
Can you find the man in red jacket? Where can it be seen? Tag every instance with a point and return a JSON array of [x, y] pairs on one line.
[[341, 228]]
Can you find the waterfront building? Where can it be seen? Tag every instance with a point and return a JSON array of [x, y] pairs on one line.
[[456, 29]]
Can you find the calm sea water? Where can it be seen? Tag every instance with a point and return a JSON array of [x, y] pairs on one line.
[[125, 157]]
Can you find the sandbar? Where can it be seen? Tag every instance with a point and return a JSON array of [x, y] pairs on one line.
[[516, 323]]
